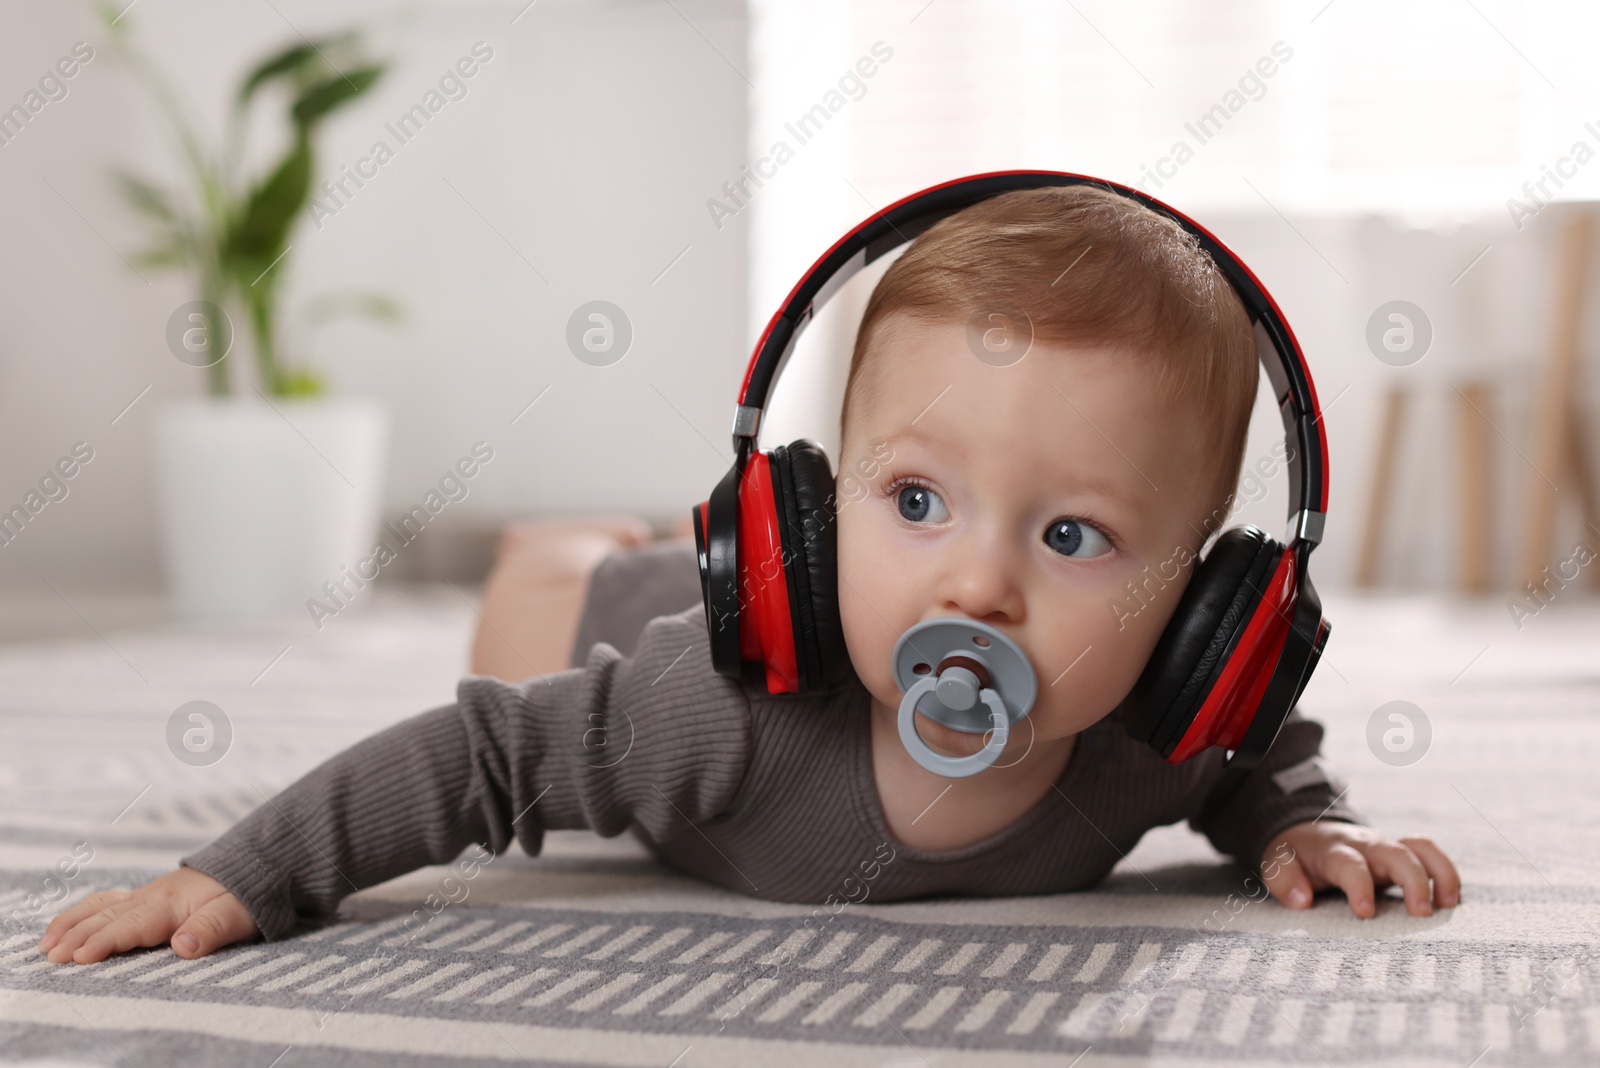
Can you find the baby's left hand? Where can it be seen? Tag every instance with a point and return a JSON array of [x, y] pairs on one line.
[[1360, 861]]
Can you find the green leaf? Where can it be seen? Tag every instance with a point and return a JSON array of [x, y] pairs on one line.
[[111, 15], [334, 93], [174, 255], [291, 62], [260, 232], [146, 197], [259, 303], [330, 306], [301, 382]]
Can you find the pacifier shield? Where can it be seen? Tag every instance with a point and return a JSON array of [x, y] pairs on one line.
[[967, 676], [924, 647]]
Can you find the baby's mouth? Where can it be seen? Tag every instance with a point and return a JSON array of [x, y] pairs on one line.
[[947, 741], [969, 683]]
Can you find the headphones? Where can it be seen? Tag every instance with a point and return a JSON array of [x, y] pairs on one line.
[[1246, 633]]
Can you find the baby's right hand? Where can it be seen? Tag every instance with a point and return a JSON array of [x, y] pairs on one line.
[[192, 909]]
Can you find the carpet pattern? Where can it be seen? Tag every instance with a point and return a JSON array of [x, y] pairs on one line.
[[593, 953]]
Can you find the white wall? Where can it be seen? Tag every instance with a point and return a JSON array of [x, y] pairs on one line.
[[589, 142]]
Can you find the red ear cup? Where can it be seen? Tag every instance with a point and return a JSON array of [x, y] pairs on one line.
[[1232, 696], [1212, 667], [740, 550], [1303, 642], [767, 548]]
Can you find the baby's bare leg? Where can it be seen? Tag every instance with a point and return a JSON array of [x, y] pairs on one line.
[[533, 596]]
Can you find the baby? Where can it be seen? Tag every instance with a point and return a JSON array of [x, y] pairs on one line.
[[1024, 496]]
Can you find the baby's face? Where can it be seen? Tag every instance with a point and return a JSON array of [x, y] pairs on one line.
[[1025, 497]]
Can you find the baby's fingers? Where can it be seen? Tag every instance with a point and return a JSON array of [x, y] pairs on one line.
[[72, 939], [220, 922], [1288, 882], [1399, 865], [70, 918], [1345, 867], [148, 924], [1446, 881]]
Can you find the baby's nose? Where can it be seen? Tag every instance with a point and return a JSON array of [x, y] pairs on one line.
[[985, 588]]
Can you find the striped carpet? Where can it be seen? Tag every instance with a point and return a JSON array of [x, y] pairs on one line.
[[594, 954]]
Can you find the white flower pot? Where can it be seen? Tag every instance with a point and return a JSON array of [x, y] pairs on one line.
[[262, 503]]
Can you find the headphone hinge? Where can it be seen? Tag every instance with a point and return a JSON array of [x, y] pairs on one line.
[[1306, 525], [746, 421]]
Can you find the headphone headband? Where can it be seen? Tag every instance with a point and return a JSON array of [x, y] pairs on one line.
[[911, 216]]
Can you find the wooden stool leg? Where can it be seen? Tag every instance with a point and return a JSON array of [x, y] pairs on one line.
[[1472, 411], [1555, 410], [1384, 463], [1583, 475]]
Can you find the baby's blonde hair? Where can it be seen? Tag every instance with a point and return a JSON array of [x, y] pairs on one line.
[[1088, 267]]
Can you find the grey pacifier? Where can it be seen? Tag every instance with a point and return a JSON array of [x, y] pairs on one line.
[[964, 675]]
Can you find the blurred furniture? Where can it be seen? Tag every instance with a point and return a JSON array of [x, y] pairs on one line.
[[1473, 426], [1424, 266], [1559, 456], [1378, 494]]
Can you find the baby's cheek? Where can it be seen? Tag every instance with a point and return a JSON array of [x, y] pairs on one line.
[[868, 594], [1082, 698], [1089, 676], [867, 640]]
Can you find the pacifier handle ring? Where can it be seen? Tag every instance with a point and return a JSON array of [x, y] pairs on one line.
[[938, 763]]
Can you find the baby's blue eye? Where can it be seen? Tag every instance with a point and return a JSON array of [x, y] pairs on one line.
[[1072, 538], [918, 502]]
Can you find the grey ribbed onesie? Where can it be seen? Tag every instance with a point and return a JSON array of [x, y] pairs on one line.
[[770, 796]]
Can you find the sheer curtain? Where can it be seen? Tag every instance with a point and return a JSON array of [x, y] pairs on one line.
[[1412, 108]]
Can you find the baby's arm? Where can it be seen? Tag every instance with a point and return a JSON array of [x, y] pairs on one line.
[[1287, 821], [412, 795], [654, 739]]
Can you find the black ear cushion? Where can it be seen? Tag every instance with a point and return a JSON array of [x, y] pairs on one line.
[[810, 541], [716, 545], [1220, 597]]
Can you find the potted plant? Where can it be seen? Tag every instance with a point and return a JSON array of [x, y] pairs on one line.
[[269, 487]]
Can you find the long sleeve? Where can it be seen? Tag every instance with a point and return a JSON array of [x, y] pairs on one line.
[[657, 739], [1243, 812]]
